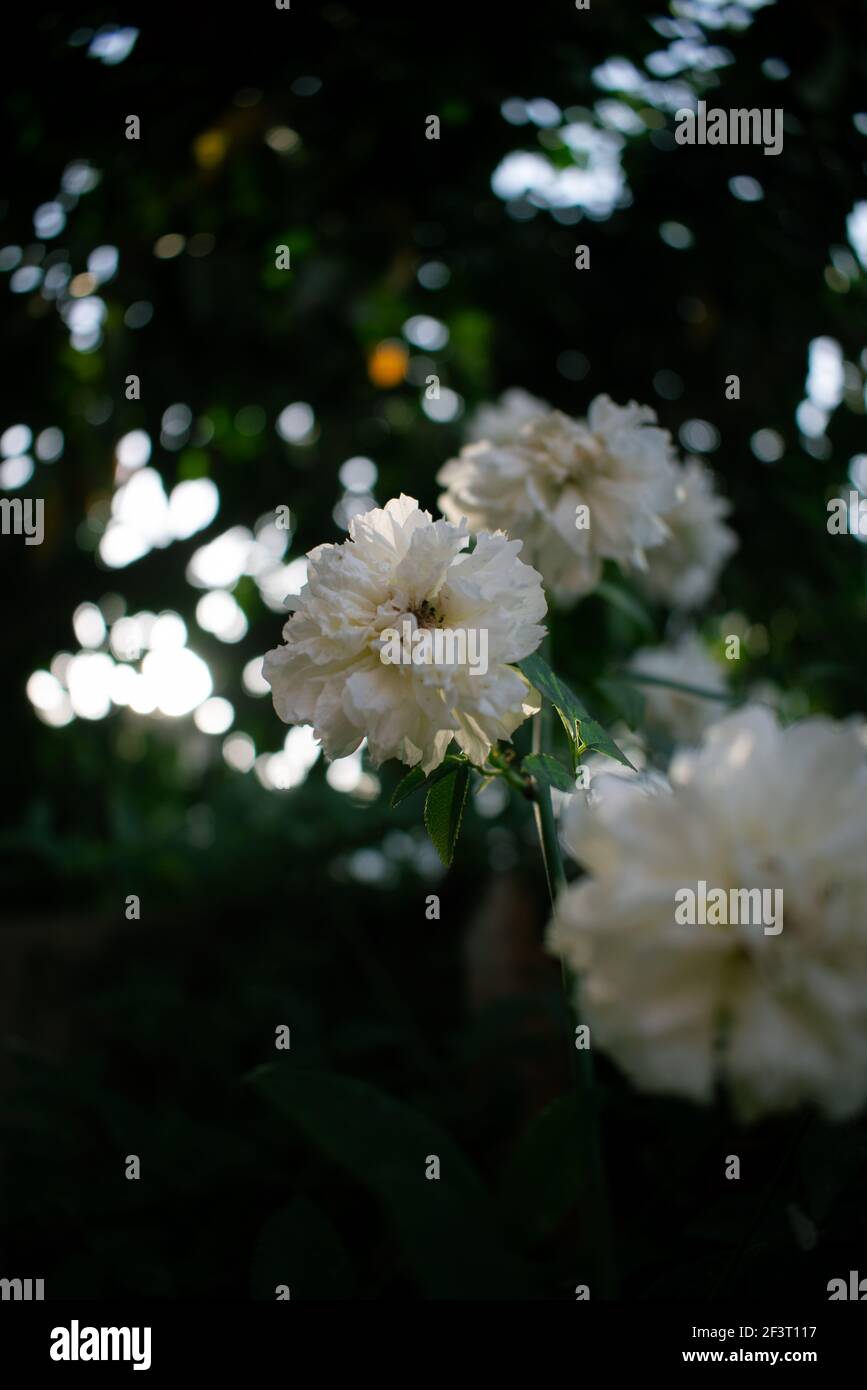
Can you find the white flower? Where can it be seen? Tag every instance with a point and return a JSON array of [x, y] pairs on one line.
[[779, 1020], [617, 464], [683, 717], [502, 423], [399, 566], [684, 571]]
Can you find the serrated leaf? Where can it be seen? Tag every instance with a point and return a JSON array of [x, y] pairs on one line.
[[578, 724], [548, 770], [449, 1230], [415, 779], [444, 809], [600, 741], [412, 782]]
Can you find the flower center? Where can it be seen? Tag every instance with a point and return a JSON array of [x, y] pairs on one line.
[[425, 614]]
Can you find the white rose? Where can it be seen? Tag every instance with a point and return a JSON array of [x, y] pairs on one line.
[[616, 464], [502, 423], [777, 1019], [399, 566], [683, 572], [681, 716]]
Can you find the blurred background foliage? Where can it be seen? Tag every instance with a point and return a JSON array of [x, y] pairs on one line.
[[270, 895]]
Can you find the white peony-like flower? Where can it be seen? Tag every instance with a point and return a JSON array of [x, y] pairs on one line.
[[402, 572], [502, 422], [681, 716], [617, 464], [777, 1019], [683, 572]]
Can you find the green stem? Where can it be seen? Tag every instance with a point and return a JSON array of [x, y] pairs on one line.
[[724, 697], [544, 813], [596, 1214], [497, 766]]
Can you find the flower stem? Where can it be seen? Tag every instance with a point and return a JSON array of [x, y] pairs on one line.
[[595, 1190], [544, 813]]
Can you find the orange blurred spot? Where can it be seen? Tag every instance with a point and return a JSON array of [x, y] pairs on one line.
[[81, 285], [387, 364], [210, 148]]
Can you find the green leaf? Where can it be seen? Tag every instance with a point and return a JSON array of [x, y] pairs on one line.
[[544, 1174], [449, 1229], [444, 809], [578, 724], [548, 770], [413, 780]]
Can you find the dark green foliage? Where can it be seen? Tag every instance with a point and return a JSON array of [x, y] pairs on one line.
[[444, 811], [582, 731]]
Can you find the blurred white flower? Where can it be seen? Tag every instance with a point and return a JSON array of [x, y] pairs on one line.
[[616, 464], [681, 716], [400, 565], [683, 572], [778, 1020], [502, 423]]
